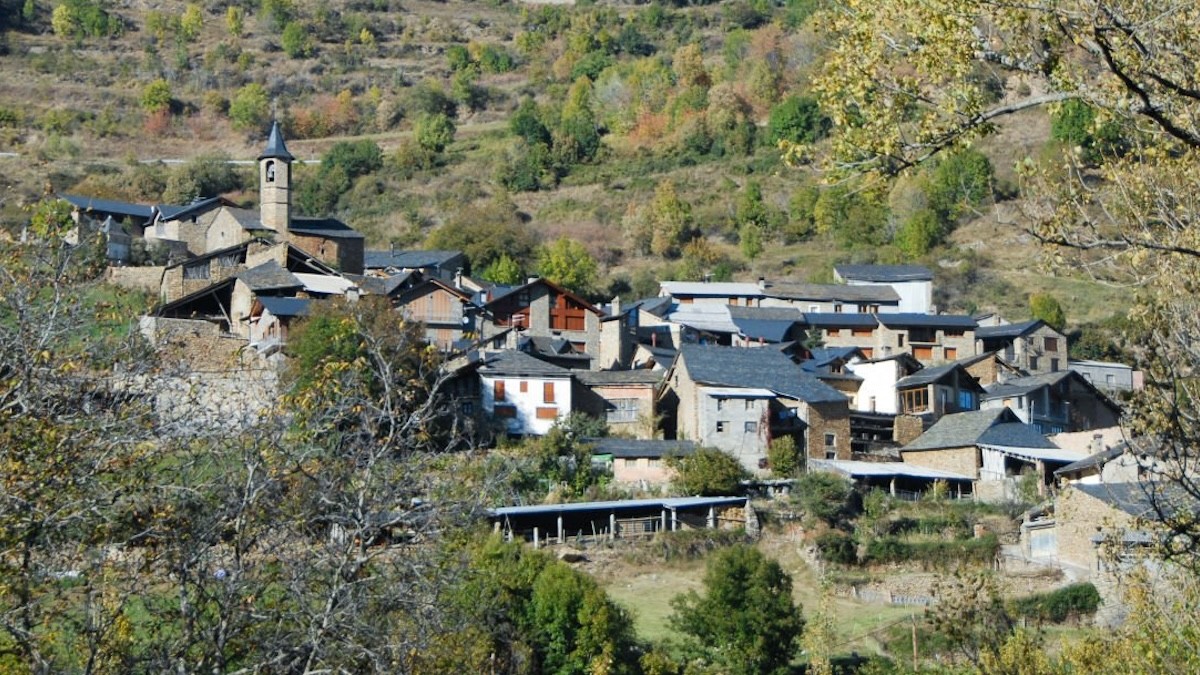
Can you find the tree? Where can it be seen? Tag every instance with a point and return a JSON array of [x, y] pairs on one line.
[[669, 221], [707, 472], [784, 457], [434, 132], [156, 96], [235, 20], [249, 107], [746, 621], [191, 22], [527, 123], [296, 40], [1043, 306], [505, 234], [577, 138], [797, 119], [567, 263]]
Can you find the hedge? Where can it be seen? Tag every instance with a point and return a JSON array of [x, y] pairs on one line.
[[1058, 605], [933, 553]]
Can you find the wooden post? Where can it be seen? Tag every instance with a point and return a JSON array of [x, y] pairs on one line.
[[892, 486], [535, 537], [560, 529], [712, 518], [612, 524], [663, 528], [913, 617]]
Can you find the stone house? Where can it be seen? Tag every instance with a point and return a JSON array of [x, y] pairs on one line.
[[230, 226], [941, 390], [847, 329], [989, 368], [912, 283], [830, 298], [1053, 403], [739, 400], [449, 314], [1108, 376], [832, 366], [930, 338], [639, 462], [1030, 345], [993, 447], [272, 317], [711, 293], [187, 227], [541, 308], [625, 399], [524, 396], [1089, 515]]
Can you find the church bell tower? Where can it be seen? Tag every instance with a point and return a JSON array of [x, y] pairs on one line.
[[275, 184]]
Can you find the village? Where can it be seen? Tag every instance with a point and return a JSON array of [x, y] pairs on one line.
[[864, 377]]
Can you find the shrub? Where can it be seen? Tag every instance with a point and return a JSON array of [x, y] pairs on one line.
[[980, 551], [295, 40], [797, 119], [837, 547], [434, 132], [249, 107], [783, 457], [156, 96], [708, 471], [1060, 604], [823, 495]]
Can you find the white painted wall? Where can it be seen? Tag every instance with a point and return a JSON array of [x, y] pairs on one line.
[[526, 420], [879, 380], [915, 296]]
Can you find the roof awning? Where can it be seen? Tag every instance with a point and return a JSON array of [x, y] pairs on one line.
[[1038, 454], [738, 392]]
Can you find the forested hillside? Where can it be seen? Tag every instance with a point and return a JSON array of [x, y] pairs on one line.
[[649, 134]]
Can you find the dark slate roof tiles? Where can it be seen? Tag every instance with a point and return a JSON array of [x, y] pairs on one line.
[[754, 369], [884, 273]]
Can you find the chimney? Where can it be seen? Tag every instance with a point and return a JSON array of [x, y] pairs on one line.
[[654, 339], [530, 280], [762, 283], [458, 278], [616, 305]]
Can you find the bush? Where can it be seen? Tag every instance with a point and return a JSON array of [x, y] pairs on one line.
[[980, 551], [249, 107], [1059, 605], [156, 96], [797, 119], [837, 547], [783, 457], [708, 472], [823, 495], [296, 41], [434, 132]]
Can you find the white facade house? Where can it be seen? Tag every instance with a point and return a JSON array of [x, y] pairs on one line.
[[913, 283], [877, 393], [522, 394]]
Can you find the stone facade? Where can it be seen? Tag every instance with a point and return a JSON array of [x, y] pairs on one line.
[[907, 428], [1078, 518], [824, 419], [146, 279], [963, 461]]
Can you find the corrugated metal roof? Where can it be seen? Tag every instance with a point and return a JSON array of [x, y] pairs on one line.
[[621, 505], [713, 289], [326, 285], [738, 392], [864, 469]]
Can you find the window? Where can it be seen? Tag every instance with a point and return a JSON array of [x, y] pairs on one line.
[[1110, 379], [749, 403], [923, 353], [506, 411], [1054, 365], [954, 332], [922, 335], [837, 309], [1033, 363], [524, 386], [861, 332], [721, 425], [1051, 344], [914, 400], [623, 410], [899, 339], [830, 446], [751, 427], [862, 309], [196, 272], [468, 408], [498, 390], [721, 403], [951, 353], [547, 413], [966, 400], [270, 171], [814, 308], [868, 352], [548, 392], [872, 400]]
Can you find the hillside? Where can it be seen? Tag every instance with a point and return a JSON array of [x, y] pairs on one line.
[[679, 95]]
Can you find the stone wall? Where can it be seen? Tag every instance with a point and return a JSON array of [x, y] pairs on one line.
[[145, 279], [1078, 517], [826, 418], [907, 428], [963, 461], [208, 380]]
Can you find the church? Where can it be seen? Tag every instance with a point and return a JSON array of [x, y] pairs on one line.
[[215, 224]]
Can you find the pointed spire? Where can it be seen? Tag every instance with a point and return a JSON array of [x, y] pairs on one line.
[[276, 148]]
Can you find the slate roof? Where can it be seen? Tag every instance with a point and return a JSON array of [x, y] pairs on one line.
[[713, 289], [323, 227], [197, 207], [276, 148], [884, 273], [1010, 330], [1093, 461], [549, 347], [381, 285], [629, 447], [408, 259], [927, 376], [599, 378], [1140, 499], [511, 362], [912, 319], [839, 320], [1023, 385], [269, 276], [768, 330], [109, 206], [657, 306], [189, 262], [823, 356], [286, 306], [755, 368], [789, 290], [247, 218], [997, 427]]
